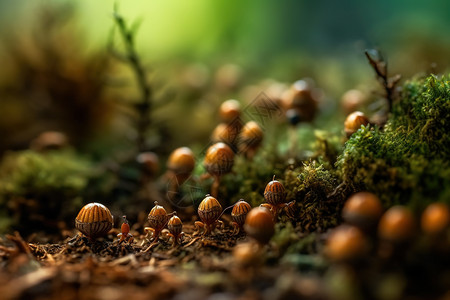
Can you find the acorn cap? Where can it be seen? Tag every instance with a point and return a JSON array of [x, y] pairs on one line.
[[275, 193], [259, 224], [240, 211], [209, 210], [435, 218], [157, 218], [181, 161]]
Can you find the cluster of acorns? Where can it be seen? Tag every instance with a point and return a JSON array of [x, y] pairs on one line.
[[364, 219], [95, 220]]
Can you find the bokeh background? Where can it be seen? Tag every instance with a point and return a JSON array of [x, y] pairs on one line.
[[199, 53]]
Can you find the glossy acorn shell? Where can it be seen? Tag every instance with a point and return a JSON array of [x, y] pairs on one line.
[[301, 98], [435, 218], [397, 224], [240, 211], [251, 136], [94, 220], [259, 224], [181, 161], [230, 110], [219, 159], [363, 210], [209, 210], [157, 218], [275, 193], [354, 121], [346, 243], [175, 225]]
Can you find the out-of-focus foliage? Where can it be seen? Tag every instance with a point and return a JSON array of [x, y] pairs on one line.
[[41, 189]]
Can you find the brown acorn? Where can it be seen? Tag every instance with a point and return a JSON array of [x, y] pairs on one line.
[[435, 218], [181, 161], [301, 97], [363, 210], [94, 220], [226, 133], [259, 225], [250, 139], [397, 224], [354, 121], [238, 214], [230, 110], [275, 193], [209, 212], [157, 219], [218, 161], [175, 228], [149, 163], [346, 243]]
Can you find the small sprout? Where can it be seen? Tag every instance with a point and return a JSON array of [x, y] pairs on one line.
[[157, 219], [209, 212], [435, 218], [94, 220], [362, 210], [250, 139], [275, 196], [230, 110], [218, 161], [354, 121], [259, 225], [175, 229], [397, 224], [125, 234], [49, 140], [238, 214], [346, 243], [149, 163]]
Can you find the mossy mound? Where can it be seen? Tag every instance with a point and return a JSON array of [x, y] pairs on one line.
[[407, 161]]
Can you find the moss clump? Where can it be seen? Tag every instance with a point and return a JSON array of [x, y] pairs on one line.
[[40, 189], [408, 160], [312, 188]]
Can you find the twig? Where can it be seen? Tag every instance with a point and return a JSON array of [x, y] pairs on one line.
[[379, 65], [144, 106]]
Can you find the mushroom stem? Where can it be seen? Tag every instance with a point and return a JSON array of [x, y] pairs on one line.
[[215, 186]]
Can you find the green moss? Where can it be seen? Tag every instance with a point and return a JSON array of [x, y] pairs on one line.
[[407, 161], [41, 188]]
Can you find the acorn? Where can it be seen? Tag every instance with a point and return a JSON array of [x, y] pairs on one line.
[[49, 140], [301, 97], [363, 210], [175, 228], [346, 243], [259, 225], [226, 133], [435, 218], [352, 100], [275, 193], [149, 163], [157, 218], [354, 121], [209, 212], [94, 220], [250, 139], [230, 110], [181, 161], [238, 214], [219, 160], [397, 224]]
